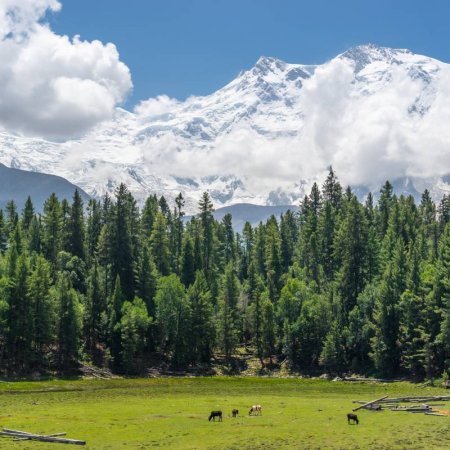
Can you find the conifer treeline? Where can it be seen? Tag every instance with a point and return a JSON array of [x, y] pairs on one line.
[[339, 286]]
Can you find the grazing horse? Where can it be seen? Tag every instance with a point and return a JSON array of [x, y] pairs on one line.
[[255, 410], [353, 418], [234, 413], [215, 414]]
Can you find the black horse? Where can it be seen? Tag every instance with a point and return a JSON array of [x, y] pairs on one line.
[[215, 414], [353, 418], [235, 412]]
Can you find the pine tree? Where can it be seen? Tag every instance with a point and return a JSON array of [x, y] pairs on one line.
[[351, 254], [412, 335], [207, 223], [20, 321], [267, 328], [43, 310], [12, 218], [3, 233], [115, 316], [273, 261], [385, 350], [373, 244], [27, 214], [247, 250], [94, 226], [75, 227], [94, 314], [148, 215], [70, 324], [443, 291], [160, 245], [288, 236], [188, 267], [34, 233], [202, 333], [52, 229], [178, 232], [309, 236], [229, 319], [146, 281], [332, 190], [334, 352], [121, 243], [384, 207], [229, 244]]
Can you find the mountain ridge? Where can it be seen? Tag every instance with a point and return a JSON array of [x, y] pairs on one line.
[[17, 185], [266, 136]]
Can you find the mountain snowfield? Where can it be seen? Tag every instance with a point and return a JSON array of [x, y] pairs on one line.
[[372, 113]]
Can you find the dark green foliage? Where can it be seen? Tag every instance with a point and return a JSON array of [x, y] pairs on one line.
[[121, 242], [52, 229], [160, 244], [69, 323], [44, 308], [339, 286], [3, 233], [115, 316], [202, 334], [75, 227], [228, 332], [146, 281], [188, 265], [95, 311]]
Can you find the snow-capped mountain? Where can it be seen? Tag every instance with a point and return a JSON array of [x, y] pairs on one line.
[[373, 113]]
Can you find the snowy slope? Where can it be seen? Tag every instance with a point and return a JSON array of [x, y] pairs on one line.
[[264, 137]]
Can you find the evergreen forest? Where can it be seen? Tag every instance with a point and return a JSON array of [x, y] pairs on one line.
[[341, 286]]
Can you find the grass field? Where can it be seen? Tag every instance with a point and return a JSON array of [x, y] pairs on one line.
[[172, 413]]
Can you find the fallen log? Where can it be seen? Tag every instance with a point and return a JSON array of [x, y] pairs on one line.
[[417, 399], [412, 409], [436, 414], [373, 407], [369, 403], [24, 435], [27, 438], [370, 380]]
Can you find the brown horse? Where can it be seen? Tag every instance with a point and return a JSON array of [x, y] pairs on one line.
[[353, 418], [215, 414], [255, 410]]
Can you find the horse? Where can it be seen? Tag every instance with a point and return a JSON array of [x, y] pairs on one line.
[[353, 418], [256, 410], [234, 413], [215, 414]]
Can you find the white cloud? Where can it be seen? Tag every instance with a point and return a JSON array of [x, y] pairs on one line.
[[50, 85], [156, 106]]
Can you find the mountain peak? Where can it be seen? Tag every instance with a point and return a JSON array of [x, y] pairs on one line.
[[267, 64], [365, 54]]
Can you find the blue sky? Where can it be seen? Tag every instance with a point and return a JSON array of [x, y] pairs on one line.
[[193, 47]]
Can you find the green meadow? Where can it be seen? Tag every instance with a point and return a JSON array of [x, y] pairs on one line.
[[172, 413]]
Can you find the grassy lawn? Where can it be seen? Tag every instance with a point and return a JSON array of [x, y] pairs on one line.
[[172, 414]]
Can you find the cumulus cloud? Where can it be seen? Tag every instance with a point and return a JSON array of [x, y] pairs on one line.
[[50, 85], [156, 106]]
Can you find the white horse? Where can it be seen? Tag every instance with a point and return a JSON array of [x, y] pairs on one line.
[[255, 410]]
